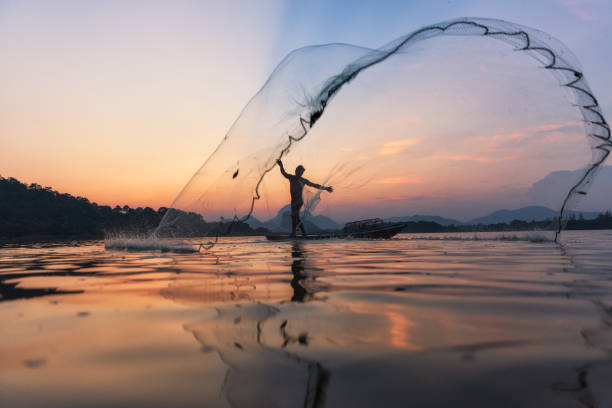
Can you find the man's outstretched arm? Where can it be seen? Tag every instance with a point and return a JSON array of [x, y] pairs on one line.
[[315, 185], [282, 169]]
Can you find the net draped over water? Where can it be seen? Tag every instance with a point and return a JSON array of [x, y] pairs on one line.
[[443, 120]]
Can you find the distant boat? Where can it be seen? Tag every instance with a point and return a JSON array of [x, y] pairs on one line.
[[373, 228]]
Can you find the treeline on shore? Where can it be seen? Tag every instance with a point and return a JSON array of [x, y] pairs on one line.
[[33, 212], [602, 221]]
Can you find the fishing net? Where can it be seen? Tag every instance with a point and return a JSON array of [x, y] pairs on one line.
[[454, 119]]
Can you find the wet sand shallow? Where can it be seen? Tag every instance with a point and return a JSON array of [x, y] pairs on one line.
[[425, 322]]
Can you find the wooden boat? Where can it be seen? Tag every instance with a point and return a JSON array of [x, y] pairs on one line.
[[373, 228]]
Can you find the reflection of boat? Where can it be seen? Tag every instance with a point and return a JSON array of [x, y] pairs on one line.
[[373, 228]]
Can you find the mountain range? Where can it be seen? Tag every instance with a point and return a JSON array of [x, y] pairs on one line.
[[530, 213], [36, 212], [416, 218], [282, 221]]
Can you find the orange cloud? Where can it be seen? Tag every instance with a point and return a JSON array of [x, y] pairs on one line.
[[399, 180], [396, 146]]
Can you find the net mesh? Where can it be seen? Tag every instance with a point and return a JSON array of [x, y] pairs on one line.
[[224, 193]]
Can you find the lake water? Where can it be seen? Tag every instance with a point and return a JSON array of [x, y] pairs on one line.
[[422, 320]]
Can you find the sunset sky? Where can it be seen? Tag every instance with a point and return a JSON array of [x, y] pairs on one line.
[[121, 102]]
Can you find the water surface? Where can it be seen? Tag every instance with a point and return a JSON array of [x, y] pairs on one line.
[[422, 320]]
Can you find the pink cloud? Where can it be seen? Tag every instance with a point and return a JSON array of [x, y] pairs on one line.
[[553, 126], [399, 180], [469, 157]]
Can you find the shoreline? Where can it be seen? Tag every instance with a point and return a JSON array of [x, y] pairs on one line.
[[71, 240]]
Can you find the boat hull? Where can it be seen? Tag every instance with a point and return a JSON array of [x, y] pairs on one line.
[[382, 232]]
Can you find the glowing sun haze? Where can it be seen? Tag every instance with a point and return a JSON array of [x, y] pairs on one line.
[[121, 102]]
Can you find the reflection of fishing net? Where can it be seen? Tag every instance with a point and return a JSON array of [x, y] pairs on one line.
[[448, 125], [241, 335]]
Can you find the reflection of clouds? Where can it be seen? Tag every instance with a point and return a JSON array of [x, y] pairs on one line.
[[399, 331], [362, 326]]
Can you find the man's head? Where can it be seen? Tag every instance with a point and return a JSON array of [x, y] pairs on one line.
[[299, 170]]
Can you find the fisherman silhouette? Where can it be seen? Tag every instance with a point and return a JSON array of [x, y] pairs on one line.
[[296, 187]]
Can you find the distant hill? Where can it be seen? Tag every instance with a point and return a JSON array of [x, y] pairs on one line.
[[255, 223], [530, 213], [428, 218], [553, 187], [282, 221]]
